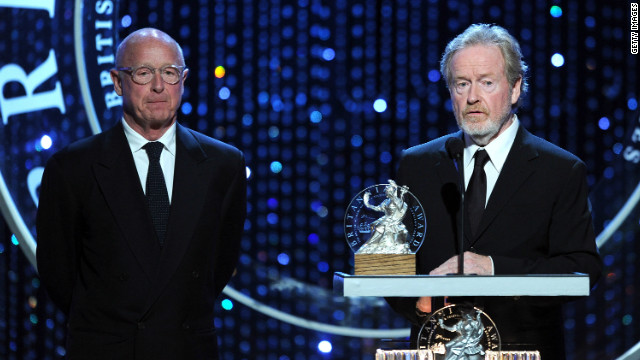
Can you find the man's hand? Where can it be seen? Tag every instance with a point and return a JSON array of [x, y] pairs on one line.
[[473, 264], [424, 304]]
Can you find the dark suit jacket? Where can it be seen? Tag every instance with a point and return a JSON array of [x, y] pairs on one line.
[[100, 261], [537, 221]]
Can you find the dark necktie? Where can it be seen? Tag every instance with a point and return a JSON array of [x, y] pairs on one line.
[[476, 193], [157, 196]]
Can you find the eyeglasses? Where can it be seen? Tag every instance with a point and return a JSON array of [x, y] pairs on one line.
[[143, 75]]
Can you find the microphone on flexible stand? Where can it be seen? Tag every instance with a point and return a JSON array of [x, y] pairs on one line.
[[455, 147]]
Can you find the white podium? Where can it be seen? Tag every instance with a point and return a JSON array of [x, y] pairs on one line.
[[460, 285]]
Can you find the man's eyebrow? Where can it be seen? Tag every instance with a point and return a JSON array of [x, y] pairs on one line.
[[480, 76]]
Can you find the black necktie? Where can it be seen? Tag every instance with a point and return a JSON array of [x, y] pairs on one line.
[[476, 194], [157, 196]]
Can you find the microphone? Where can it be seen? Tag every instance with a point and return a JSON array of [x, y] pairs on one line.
[[455, 147]]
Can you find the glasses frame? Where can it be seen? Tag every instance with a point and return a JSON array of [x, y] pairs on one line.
[[131, 70]]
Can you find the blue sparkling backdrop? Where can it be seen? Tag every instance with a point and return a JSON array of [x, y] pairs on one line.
[[322, 97]]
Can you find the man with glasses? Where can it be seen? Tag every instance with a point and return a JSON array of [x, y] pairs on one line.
[[139, 227]]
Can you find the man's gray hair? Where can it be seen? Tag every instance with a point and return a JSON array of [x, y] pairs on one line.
[[485, 34]]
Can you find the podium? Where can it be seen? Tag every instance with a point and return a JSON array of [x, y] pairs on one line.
[[459, 285]]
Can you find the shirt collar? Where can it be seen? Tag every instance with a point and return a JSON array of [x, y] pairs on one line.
[[137, 141], [497, 149]]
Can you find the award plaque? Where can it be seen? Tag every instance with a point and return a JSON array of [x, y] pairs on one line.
[[459, 331], [385, 225]]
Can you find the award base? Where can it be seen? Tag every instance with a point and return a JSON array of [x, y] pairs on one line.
[[385, 264], [430, 355]]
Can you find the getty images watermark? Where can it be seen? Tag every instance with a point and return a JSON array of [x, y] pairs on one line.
[[634, 28]]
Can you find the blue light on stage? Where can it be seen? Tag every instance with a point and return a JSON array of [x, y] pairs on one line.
[[247, 120], [608, 173], [126, 21], [186, 108], [283, 259], [632, 104], [323, 266], [315, 117], [14, 240], [224, 93], [555, 11], [46, 142], [263, 97], [227, 304], [557, 60], [385, 157], [338, 315], [274, 132], [617, 148], [276, 167], [272, 203], [328, 54], [325, 346], [248, 171], [604, 123], [434, 76], [272, 218], [313, 238], [301, 99], [356, 140], [61, 351], [202, 109], [380, 105], [590, 21]]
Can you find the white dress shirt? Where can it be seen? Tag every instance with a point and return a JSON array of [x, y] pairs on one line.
[[141, 159], [498, 149]]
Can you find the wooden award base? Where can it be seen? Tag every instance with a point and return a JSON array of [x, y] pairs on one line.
[[385, 264]]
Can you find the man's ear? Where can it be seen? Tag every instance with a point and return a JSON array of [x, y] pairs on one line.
[[117, 82], [515, 92]]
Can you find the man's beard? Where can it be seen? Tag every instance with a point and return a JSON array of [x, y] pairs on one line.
[[483, 133]]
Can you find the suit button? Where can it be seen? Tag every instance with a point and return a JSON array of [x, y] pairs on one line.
[[195, 274], [123, 277], [141, 326]]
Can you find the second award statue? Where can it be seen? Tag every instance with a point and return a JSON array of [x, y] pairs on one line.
[[385, 225]]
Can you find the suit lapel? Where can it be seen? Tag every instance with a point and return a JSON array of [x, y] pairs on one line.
[[189, 189], [446, 169], [117, 177], [516, 170]]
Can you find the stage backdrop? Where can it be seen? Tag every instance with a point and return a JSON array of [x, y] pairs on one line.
[[321, 97]]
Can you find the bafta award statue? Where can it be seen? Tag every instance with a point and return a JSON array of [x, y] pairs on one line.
[[388, 233], [385, 226]]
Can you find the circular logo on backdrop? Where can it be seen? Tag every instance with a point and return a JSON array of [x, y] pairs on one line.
[[459, 329], [55, 88]]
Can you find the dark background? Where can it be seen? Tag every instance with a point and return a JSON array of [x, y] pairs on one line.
[[301, 78]]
